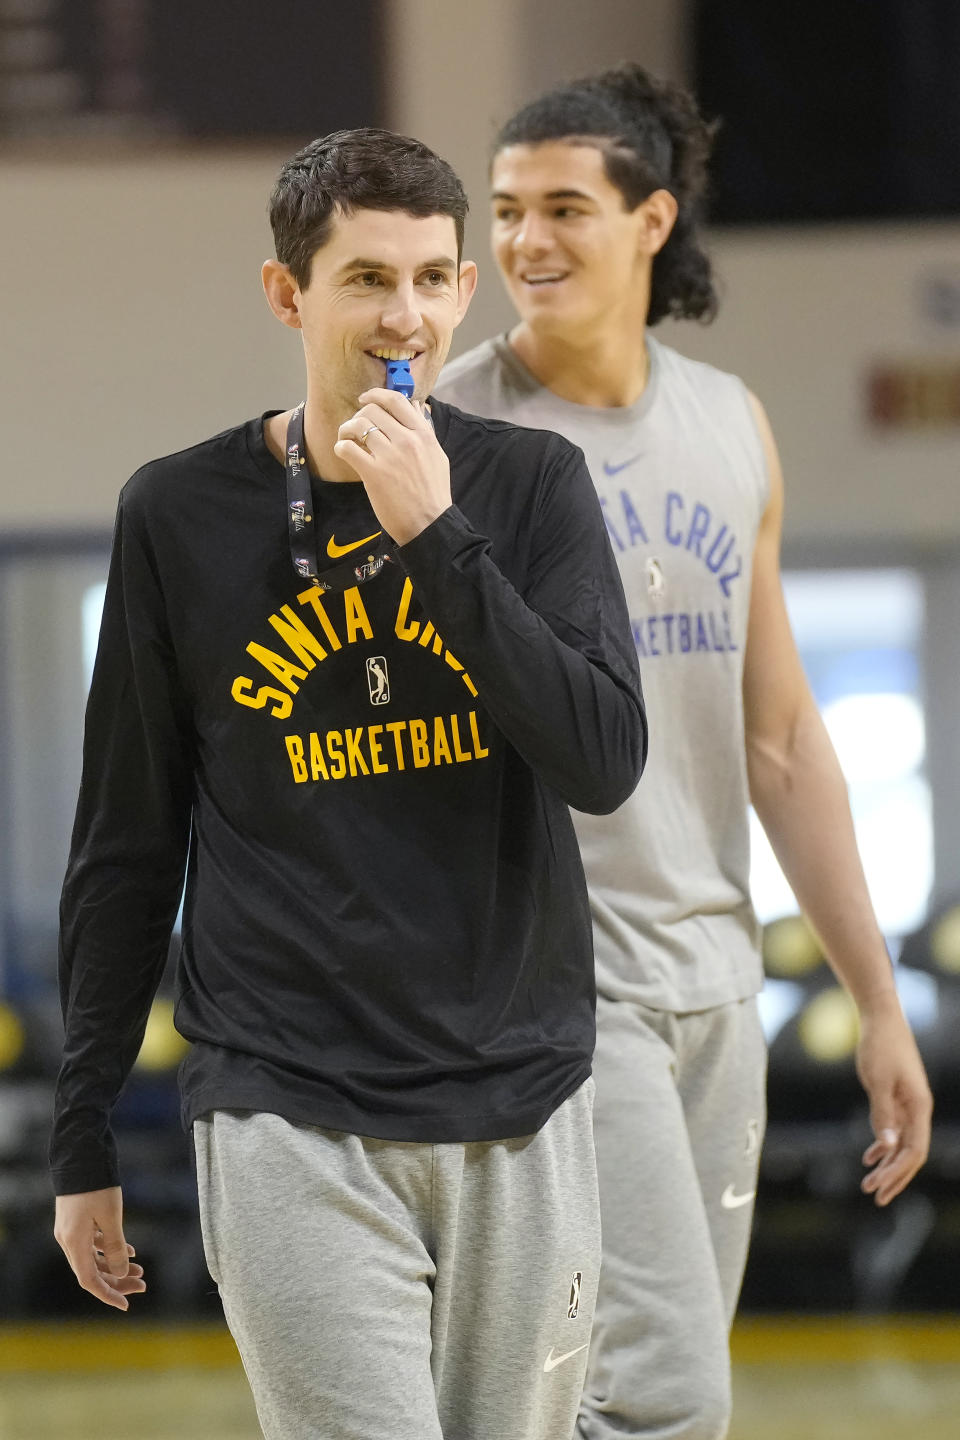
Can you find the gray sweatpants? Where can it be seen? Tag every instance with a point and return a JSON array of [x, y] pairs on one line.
[[679, 1119], [383, 1290]]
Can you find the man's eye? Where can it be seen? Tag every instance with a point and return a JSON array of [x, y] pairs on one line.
[[368, 280], [435, 277], [505, 215]]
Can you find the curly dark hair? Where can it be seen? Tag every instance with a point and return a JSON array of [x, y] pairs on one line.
[[652, 137], [350, 170]]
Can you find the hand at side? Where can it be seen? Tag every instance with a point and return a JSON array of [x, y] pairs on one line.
[[901, 1106], [89, 1231]]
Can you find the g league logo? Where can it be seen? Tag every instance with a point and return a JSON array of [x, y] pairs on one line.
[[378, 681]]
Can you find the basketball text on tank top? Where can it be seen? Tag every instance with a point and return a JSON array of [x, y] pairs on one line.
[[683, 484]]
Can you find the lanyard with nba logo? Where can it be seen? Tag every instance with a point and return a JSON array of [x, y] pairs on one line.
[[301, 529]]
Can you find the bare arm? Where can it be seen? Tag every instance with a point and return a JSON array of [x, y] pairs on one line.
[[89, 1231], [800, 796]]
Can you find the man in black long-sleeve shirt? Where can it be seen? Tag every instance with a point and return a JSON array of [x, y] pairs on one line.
[[356, 661]]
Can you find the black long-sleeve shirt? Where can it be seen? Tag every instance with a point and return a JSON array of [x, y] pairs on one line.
[[385, 927]]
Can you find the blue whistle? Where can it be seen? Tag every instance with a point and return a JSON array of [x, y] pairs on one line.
[[399, 377]]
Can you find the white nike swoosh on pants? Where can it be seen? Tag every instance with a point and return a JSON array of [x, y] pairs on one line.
[[730, 1200], [552, 1361]]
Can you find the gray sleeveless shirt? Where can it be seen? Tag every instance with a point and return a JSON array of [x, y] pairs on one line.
[[683, 484]]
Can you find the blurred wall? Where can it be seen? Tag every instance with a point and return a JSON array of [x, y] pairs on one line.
[[135, 325], [133, 318], [820, 322]]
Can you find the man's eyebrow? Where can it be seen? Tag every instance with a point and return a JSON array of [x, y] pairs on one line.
[[550, 195], [361, 262]]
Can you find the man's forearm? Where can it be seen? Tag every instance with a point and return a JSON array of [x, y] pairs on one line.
[[580, 725], [800, 797]]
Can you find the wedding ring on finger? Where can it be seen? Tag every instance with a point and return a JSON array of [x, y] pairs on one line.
[[363, 438]]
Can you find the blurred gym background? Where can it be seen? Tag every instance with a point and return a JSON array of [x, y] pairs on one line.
[[138, 143]]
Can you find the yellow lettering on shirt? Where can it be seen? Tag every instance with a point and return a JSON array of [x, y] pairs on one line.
[[479, 750], [441, 750], [404, 629], [308, 650], [373, 740], [358, 766], [418, 742], [362, 751], [458, 749], [312, 597], [396, 728], [355, 616], [338, 765], [318, 766], [279, 668], [298, 638], [295, 751], [283, 704], [454, 664]]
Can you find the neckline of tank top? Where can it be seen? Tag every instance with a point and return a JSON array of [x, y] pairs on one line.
[[610, 416]]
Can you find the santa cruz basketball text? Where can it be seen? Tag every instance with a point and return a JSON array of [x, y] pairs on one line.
[[337, 621]]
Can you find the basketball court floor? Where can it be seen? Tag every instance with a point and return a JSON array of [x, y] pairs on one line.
[[835, 1379]]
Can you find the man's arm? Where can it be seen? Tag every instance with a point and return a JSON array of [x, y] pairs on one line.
[[800, 796], [120, 897], [556, 666]]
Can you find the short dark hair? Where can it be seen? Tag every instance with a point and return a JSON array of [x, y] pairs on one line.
[[350, 170], [652, 137]]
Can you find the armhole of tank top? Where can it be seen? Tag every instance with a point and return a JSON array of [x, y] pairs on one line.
[[763, 469]]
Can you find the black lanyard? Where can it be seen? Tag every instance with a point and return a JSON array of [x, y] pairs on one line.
[[300, 522]]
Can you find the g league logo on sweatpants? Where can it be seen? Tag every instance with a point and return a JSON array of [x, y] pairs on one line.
[[573, 1308]]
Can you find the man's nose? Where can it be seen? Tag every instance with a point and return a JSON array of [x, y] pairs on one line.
[[533, 236], [401, 313]]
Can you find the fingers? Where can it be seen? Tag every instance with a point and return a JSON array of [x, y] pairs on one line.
[[89, 1230], [901, 1105], [384, 415], [898, 1153], [355, 454], [893, 1174], [113, 1249], [391, 403], [94, 1274]]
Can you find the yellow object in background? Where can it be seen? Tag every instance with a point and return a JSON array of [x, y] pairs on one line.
[[163, 1046], [945, 942], [12, 1037], [790, 948], [829, 1027]]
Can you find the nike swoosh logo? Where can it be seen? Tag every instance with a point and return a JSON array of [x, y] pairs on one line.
[[335, 551], [609, 469], [552, 1361], [730, 1200]]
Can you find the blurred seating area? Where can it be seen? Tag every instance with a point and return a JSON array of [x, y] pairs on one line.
[[819, 1245], [159, 1186]]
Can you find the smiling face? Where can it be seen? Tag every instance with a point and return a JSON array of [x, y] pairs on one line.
[[572, 256], [385, 286]]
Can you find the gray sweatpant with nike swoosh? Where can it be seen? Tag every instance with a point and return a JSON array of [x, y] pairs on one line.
[[679, 1119], [385, 1290]]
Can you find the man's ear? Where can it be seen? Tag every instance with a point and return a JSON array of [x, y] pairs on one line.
[[659, 215], [282, 292], [467, 284]]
